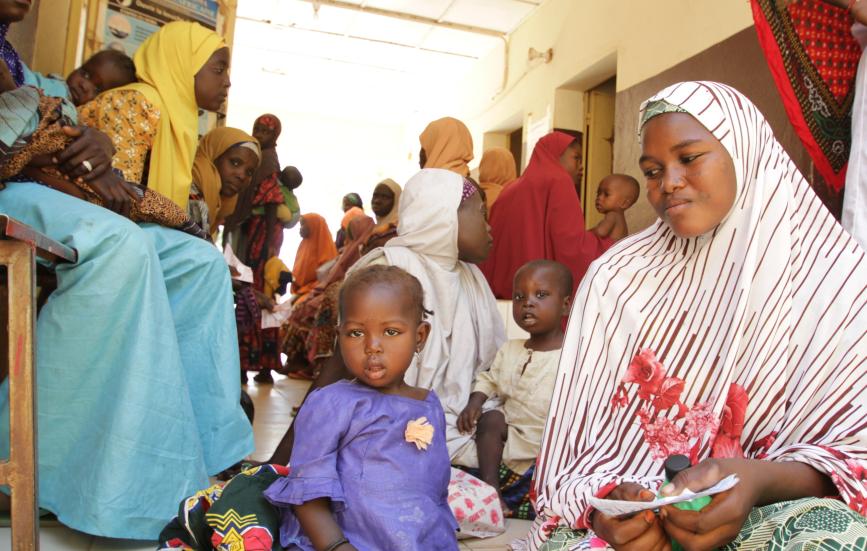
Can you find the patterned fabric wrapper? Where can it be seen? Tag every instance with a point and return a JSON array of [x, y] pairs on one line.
[[802, 525], [234, 517], [515, 490], [813, 58], [476, 506]]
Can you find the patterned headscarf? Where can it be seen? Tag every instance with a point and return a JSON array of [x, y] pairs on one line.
[[271, 121], [10, 56]]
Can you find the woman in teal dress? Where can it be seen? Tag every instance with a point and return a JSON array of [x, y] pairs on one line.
[[137, 358]]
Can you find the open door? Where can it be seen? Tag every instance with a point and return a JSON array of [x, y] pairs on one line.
[[598, 146]]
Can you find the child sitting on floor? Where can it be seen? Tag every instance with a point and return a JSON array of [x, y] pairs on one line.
[[103, 71], [616, 193], [370, 467], [522, 376]]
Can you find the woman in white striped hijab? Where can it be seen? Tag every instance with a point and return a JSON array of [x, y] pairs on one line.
[[731, 331]]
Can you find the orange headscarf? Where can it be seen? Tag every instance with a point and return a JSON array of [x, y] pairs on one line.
[[448, 144], [349, 216], [496, 170], [315, 250]]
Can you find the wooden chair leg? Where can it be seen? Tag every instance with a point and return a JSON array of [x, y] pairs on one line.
[[20, 471]]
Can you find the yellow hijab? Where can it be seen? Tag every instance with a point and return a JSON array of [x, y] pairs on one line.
[[166, 65], [448, 144], [205, 173]]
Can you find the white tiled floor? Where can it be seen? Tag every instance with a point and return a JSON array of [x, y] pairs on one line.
[[274, 405]]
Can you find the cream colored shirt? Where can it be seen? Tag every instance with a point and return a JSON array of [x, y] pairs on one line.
[[523, 380]]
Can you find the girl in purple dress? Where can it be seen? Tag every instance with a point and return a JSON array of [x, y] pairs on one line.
[[370, 467]]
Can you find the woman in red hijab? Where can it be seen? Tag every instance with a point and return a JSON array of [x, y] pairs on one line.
[[539, 217]]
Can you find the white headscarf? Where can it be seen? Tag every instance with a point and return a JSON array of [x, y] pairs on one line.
[[466, 327], [773, 299]]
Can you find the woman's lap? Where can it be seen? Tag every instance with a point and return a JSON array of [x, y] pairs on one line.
[[809, 524], [119, 443]]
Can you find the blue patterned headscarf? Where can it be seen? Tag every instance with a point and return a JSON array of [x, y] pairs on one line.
[[10, 56]]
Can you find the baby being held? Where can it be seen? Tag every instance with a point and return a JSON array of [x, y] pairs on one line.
[[370, 467], [103, 71], [508, 438], [616, 193]]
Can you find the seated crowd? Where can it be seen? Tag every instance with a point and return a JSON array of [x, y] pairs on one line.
[[731, 331]]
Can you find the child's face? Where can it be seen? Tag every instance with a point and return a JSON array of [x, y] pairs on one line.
[[303, 229], [538, 302], [382, 201], [691, 180], [92, 79], [379, 334], [611, 195], [571, 162], [266, 135], [474, 233], [212, 81], [236, 167]]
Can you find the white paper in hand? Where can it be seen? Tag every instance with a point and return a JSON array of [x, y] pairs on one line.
[[616, 508], [242, 272]]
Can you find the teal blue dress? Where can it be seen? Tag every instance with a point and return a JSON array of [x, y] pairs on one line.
[[136, 363]]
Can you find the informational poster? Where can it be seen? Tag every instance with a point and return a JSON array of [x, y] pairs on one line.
[[129, 22]]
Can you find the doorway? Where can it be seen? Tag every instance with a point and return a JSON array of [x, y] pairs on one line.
[[598, 145]]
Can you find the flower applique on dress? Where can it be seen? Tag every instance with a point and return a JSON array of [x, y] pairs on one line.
[[684, 432], [419, 432]]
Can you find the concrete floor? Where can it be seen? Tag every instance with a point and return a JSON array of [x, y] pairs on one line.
[[274, 405]]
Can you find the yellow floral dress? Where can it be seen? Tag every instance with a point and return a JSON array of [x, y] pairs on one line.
[[131, 122]]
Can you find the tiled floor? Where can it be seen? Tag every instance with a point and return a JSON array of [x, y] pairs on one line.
[[274, 405]]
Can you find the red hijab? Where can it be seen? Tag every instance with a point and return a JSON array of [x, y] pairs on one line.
[[539, 217]]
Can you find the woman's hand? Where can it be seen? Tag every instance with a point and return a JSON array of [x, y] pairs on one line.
[[117, 194], [89, 145], [722, 519], [640, 532], [761, 483]]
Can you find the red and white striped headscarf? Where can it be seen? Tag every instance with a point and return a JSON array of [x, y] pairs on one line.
[[773, 299]]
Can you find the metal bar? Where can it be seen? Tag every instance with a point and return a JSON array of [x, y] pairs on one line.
[[20, 259], [407, 17]]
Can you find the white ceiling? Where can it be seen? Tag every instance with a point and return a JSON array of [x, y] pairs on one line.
[[349, 34]]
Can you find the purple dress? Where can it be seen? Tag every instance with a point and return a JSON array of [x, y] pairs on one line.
[[385, 493]]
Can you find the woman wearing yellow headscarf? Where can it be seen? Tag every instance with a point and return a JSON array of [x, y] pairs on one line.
[[446, 143], [225, 161], [496, 170], [181, 68]]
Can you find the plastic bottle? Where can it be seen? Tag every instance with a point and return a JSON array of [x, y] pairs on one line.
[[673, 465]]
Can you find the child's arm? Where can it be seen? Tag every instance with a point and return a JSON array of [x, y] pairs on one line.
[[470, 415], [318, 523], [607, 225]]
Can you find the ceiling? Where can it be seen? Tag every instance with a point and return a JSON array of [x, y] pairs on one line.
[[400, 35]]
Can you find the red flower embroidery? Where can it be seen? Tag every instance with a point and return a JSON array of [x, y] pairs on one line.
[[669, 395], [735, 411], [620, 400], [761, 446], [548, 527], [645, 371], [858, 470], [726, 447]]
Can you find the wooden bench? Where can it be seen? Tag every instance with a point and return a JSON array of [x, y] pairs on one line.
[[19, 247]]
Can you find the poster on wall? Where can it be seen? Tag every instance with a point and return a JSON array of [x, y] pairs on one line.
[[129, 22]]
